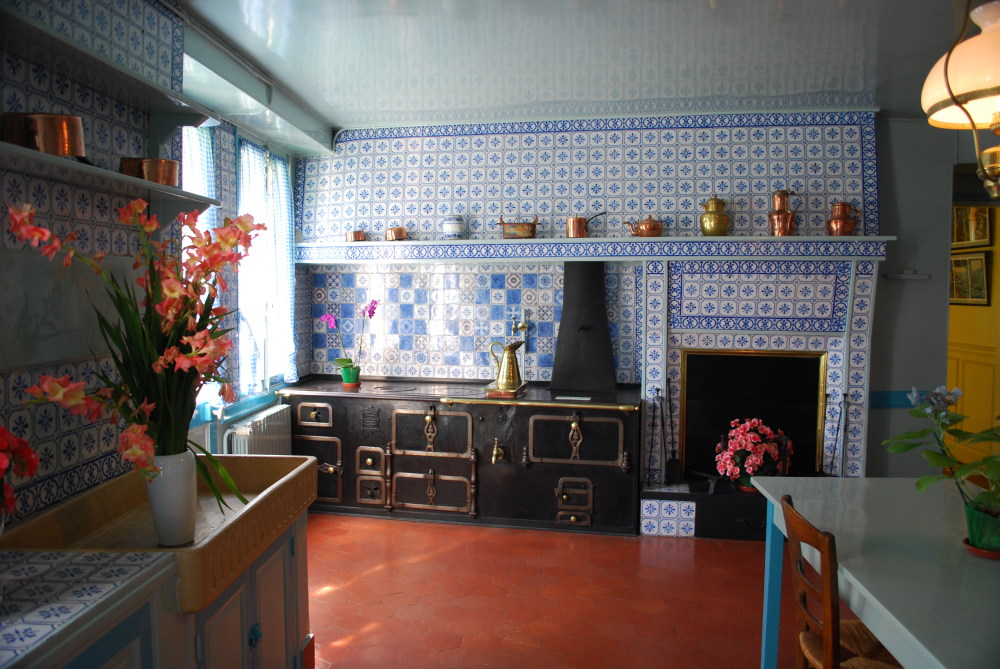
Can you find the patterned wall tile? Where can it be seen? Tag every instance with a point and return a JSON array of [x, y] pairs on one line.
[[629, 167]]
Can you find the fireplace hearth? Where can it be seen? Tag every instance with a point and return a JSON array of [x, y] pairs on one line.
[[785, 390]]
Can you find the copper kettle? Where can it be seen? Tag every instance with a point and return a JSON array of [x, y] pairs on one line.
[[647, 227]]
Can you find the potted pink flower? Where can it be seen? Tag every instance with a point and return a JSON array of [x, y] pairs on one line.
[[350, 368], [752, 448]]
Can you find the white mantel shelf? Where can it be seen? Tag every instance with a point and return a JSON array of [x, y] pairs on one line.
[[594, 248]]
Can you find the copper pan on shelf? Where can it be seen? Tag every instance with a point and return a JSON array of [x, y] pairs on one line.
[[55, 134], [157, 170]]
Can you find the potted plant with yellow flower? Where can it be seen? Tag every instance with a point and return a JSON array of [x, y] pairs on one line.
[[165, 344]]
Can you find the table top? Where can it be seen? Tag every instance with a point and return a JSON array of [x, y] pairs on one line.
[[903, 568]]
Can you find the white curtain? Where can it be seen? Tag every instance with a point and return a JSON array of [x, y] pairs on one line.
[[198, 169], [266, 276]]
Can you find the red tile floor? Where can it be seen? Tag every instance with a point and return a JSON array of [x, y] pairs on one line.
[[394, 593]]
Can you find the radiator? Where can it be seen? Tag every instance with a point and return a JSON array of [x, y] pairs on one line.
[[268, 431]]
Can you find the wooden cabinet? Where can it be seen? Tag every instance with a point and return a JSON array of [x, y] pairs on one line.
[[492, 463], [262, 619]]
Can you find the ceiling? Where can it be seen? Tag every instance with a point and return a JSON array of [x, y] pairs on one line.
[[376, 63]]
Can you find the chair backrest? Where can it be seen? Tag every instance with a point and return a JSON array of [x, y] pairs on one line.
[[817, 599]]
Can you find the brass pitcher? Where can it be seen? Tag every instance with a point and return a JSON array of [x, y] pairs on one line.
[[508, 374]]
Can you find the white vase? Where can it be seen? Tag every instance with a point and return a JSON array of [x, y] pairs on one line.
[[173, 498]]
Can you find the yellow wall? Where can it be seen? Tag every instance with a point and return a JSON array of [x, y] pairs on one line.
[[973, 345]]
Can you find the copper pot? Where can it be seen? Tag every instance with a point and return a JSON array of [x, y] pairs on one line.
[[158, 170], [576, 226], [56, 134], [355, 236], [394, 234]]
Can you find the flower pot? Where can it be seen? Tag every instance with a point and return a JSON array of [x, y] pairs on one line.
[[173, 498], [350, 376], [746, 488], [984, 529]]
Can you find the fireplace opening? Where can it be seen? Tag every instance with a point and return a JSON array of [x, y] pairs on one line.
[[786, 390]]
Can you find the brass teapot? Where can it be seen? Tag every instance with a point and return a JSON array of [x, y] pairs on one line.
[[647, 227], [508, 373]]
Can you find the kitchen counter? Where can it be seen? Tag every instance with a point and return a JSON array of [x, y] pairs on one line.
[[624, 398], [49, 595]]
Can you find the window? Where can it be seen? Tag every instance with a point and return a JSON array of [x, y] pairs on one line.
[[266, 277], [198, 169]]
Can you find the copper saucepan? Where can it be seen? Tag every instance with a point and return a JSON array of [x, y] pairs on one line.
[[394, 234], [576, 226], [158, 170], [55, 134]]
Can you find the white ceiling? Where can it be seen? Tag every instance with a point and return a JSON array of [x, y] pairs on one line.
[[373, 63]]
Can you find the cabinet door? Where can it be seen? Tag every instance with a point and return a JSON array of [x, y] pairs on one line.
[[223, 628], [272, 585]]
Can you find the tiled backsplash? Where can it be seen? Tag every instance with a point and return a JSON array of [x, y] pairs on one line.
[[438, 320]]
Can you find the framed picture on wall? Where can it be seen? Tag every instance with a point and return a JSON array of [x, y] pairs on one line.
[[970, 227], [970, 280]]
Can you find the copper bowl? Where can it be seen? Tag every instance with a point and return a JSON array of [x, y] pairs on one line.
[[158, 170], [55, 134], [394, 234], [355, 236]]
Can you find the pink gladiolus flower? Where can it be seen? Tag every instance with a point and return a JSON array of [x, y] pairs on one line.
[[137, 447], [62, 391]]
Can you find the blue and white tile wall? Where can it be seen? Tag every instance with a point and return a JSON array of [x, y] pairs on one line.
[[142, 36], [630, 167], [667, 518]]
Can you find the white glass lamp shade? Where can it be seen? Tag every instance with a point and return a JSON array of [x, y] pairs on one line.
[[974, 74]]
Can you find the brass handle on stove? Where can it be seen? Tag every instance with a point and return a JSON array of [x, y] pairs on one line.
[[573, 519], [314, 414], [498, 451], [565, 497], [327, 468], [369, 462]]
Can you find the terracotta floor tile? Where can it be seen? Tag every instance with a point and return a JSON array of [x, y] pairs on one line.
[[389, 593]]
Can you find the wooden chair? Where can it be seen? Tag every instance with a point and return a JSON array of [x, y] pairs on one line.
[[825, 641]]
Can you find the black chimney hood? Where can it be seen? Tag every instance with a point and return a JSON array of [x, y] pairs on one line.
[[584, 361]]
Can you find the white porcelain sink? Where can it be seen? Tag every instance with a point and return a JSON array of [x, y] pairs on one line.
[[115, 516]]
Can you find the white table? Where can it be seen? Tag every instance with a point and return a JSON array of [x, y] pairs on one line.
[[903, 568]]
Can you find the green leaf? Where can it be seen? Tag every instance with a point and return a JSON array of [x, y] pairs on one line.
[[924, 481], [903, 446], [220, 471], [939, 459]]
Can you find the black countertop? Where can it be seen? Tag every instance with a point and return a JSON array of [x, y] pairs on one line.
[[457, 391]]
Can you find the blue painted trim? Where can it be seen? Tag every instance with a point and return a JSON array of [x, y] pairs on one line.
[[889, 399], [773, 553]]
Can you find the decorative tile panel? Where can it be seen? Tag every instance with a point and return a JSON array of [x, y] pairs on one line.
[[766, 296]]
